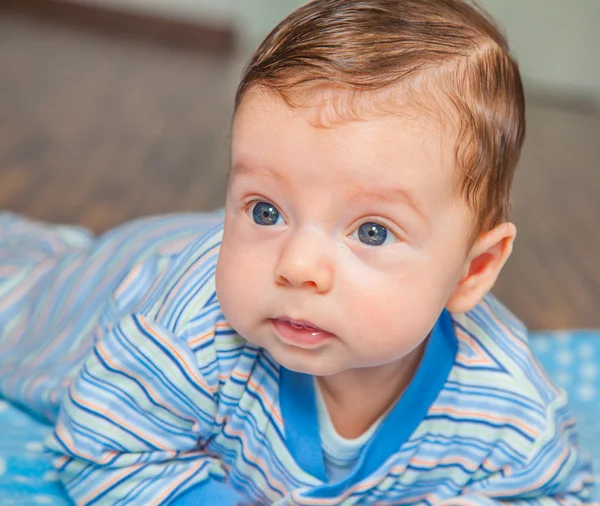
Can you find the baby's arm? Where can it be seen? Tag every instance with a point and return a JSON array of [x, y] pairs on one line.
[[555, 473], [132, 426]]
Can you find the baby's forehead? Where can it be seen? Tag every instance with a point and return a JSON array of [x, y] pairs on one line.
[[329, 106], [348, 115], [327, 129]]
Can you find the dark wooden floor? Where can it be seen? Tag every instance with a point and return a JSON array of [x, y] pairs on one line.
[[97, 130]]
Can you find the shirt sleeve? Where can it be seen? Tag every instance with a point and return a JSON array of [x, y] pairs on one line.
[[556, 472], [133, 424]]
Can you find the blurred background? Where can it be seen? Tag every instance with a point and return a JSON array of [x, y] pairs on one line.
[[115, 109]]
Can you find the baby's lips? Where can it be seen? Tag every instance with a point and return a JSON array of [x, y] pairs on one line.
[[301, 324]]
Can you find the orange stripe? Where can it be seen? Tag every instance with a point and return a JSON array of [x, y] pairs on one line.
[[182, 362], [197, 340], [482, 355], [255, 460], [529, 430], [150, 390], [265, 399], [98, 491], [190, 270], [70, 444], [110, 416], [201, 338], [190, 472], [468, 464], [128, 280], [538, 484], [240, 375], [24, 286], [61, 461], [237, 374], [503, 326]]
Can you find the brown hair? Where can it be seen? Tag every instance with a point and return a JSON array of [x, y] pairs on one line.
[[367, 46]]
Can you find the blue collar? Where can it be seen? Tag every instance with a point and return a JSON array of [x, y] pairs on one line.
[[299, 410]]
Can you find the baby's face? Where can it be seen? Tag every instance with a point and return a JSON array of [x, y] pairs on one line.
[[343, 244]]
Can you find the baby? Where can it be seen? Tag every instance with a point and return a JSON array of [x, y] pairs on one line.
[[334, 342]]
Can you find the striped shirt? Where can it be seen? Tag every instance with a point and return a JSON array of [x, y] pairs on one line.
[[172, 405], [162, 402]]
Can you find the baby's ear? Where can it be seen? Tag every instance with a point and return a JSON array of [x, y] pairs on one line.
[[482, 267]]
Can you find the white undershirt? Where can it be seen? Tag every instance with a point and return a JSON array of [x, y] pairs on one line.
[[339, 453]]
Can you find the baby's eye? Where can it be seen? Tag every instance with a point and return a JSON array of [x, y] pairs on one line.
[[266, 214], [373, 234]]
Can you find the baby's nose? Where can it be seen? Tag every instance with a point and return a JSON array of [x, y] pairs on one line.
[[303, 264]]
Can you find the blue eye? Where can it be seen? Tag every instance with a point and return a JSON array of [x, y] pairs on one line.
[[265, 214], [373, 234]]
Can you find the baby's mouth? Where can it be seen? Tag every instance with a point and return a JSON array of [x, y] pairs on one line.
[[300, 326], [300, 332]]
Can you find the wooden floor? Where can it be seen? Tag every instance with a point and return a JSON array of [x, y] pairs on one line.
[[97, 130]]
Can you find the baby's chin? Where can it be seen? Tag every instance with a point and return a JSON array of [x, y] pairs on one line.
[[322, 362], [313, 366]]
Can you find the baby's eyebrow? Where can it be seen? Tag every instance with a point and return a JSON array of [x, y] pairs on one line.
[[356, 192], [388, 195], [241, 168], [244, 169]]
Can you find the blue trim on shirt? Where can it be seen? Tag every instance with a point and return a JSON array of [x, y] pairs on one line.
[[298, 408], [210, 492], [301, 423]]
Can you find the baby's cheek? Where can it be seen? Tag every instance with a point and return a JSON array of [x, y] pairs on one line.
[[387, 323], [371, 317], [229, 286], [240, 293]]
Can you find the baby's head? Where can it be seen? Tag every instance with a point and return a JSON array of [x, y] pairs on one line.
[[374, 144]]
